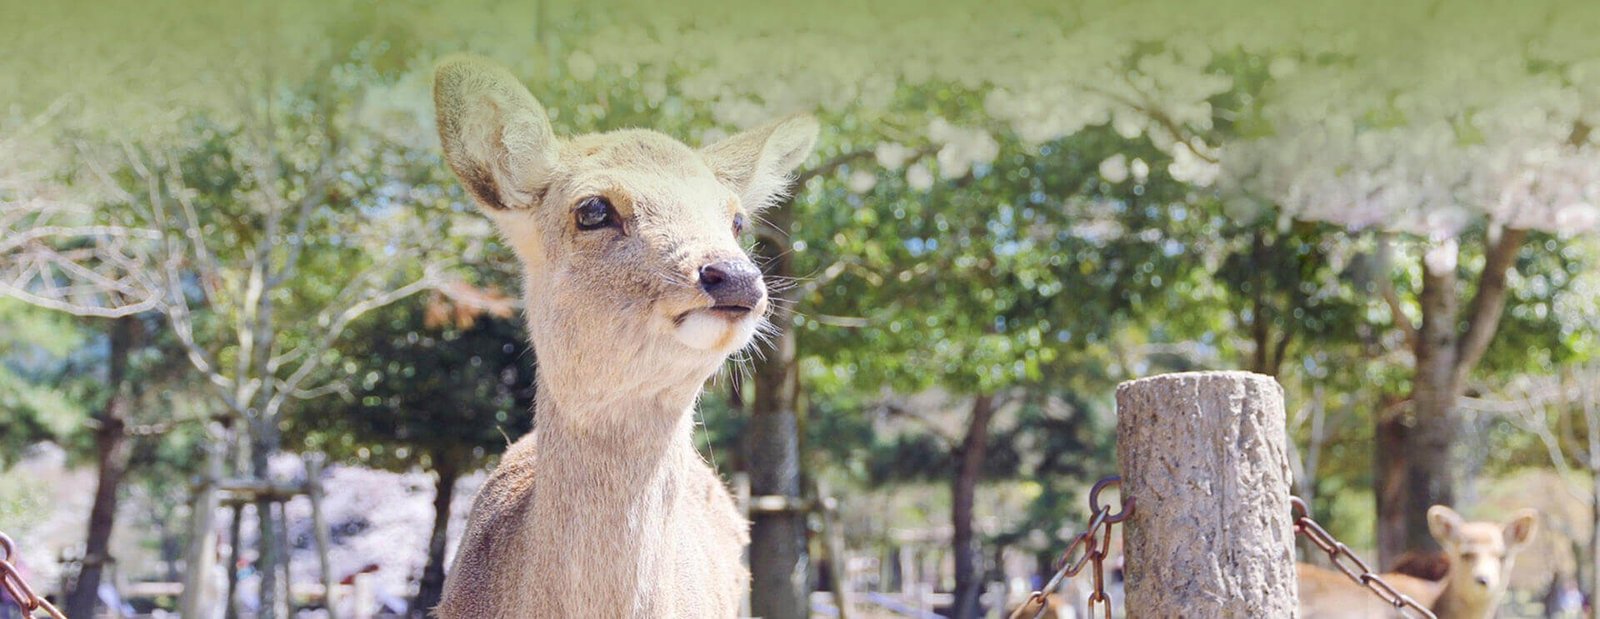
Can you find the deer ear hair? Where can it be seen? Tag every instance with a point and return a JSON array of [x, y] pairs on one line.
[[1444, 523], [757, 163], [496, 136], [1521, 528]]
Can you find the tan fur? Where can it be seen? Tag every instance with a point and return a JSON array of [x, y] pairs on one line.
[[1480, 556], [606, 509]]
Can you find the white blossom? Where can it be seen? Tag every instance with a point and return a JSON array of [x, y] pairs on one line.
[[861, 181], [1114, 168], [918, 177], [1140, 169], [892, 155]]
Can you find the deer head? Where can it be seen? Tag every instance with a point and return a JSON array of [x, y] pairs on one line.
[[1480, 553], [635, 279]]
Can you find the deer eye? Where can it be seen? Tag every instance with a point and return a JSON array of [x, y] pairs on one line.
[[738, 223], [595, 213]]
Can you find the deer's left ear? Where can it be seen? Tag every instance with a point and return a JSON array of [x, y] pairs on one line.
[[1521, 528], [1444, 523], [756, 164]]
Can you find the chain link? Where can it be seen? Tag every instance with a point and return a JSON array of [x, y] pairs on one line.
[[1352, 565], [1095, 541], [13, 584], [1095, 544]]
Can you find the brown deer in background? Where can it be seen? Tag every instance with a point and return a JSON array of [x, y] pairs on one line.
[[1479, 555]]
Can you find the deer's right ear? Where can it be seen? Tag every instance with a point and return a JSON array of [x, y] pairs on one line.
[[1444, 523], [496, 136], [756, 163], [1521, 528]]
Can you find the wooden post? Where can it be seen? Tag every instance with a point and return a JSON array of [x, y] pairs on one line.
[[319, 527], [1204, 456], [741, 495], [230, 609], [201, 556], [284, 555], [838, 565]]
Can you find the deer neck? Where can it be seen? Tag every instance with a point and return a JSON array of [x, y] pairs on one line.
[[612, 472]]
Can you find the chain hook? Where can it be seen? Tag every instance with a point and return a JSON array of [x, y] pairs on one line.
[[1094, 499]]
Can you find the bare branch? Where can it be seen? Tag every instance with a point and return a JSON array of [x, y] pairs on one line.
[[827, 276], [848, 322], [1488, 303], [1397, 313], [827, 167], [1179, 133], [334, 323], [896, 410], [19, 238], [1530, 411], [332, 387], [89, 310], [194, 231]]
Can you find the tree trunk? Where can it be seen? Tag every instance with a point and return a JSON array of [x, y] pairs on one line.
[[1430, 473], [264, 443], [1445, 356], [111, 465], [969, 470], [1389, 480], [432, 586], [1594, 543], [320, 535], [778, 562]]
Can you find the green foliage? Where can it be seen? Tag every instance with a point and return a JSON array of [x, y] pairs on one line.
[[420, 392], [37, 399]]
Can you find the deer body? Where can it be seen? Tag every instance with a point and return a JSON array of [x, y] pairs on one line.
[[637, 290], [1480, 556]]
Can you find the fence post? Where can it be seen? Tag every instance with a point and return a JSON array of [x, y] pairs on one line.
[[199, 592], [320, 533], [1204, 455]]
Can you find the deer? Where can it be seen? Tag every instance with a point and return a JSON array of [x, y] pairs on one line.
[[636, 289], [1479, 554]]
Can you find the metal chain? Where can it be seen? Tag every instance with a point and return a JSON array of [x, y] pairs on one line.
[[1096, 543], [13, 584], [1339, 553]]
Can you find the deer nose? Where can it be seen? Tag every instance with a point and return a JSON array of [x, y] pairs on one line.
[[733, 284]]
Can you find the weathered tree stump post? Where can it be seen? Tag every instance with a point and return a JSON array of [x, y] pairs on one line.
[[1204, 455]]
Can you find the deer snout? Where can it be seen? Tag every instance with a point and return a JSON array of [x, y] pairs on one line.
[[734, 285]]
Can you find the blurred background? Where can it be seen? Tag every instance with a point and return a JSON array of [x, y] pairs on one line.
[[255, 340]]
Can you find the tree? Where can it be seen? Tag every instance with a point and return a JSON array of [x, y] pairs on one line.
[[34, 354], [439, 384], [1455, 182], [1563, 412]]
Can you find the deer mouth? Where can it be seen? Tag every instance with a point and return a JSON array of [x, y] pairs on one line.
[[731, 310], [725, 311], [720, 328]]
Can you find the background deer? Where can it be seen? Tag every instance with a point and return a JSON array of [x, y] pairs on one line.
[[637, 290], [1480, 557]]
